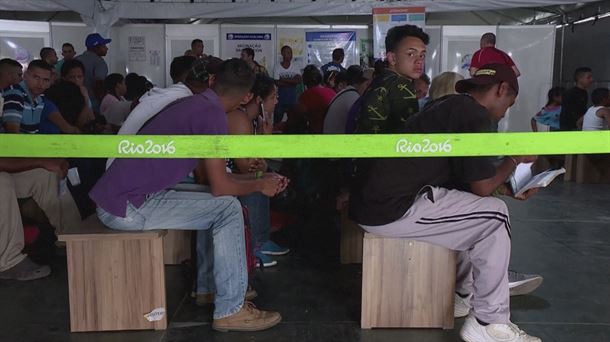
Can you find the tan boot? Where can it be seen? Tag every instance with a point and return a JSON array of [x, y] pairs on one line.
[[249, 318], [202, 299]]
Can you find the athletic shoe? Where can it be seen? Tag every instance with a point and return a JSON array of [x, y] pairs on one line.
[[461, 306], [472, 331], [264, 259], [26, 270], [272, 248], [522, 284], [249, 318]]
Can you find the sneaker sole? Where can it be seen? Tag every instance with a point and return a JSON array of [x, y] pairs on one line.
[[526, 286], [460, 314], [276, 253], [260, 328], [271, 264]]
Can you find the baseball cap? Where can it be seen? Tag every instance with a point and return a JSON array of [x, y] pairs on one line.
[[95, 39], [489, 74]]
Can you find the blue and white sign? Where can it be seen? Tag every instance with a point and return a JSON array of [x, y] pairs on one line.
[[320, 46], [260, 42]]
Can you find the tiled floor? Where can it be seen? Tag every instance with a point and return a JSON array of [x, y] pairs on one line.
[[563, 234]]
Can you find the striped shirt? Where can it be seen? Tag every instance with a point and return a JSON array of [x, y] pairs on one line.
[[20, 108]]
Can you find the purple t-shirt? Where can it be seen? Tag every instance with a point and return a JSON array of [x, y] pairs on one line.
[[131, 180]]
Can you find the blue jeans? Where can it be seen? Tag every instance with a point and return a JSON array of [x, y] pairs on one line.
[[260, 223], [219, 218], [260, 220]]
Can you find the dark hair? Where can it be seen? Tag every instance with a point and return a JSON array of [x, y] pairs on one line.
[[68, 99], [71, 64], [248, 51], [263, 86], [599, 95], [380, 66], [136, 86], [425, 78], [397, 33], [198, 73], [180, 66], [6, 62], [40, 64], [328, 76], [46, 52], [234, 76], [342, 76], [195, 41], [338, 54], [579, 72], [111, 81], [284, 48], [489, 38], [553, 93], [67, 44], [312, 76]]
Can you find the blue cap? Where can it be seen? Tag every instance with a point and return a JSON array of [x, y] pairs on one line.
[[94, 39]]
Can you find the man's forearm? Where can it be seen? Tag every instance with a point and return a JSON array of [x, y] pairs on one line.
[[14, 165]]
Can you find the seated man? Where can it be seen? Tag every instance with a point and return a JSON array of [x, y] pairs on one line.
[[39, 179], [133, 194], [447, 201]]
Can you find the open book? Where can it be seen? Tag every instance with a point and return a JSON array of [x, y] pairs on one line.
[[523, 180]]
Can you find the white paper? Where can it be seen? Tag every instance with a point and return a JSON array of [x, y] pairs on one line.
[[73, 176], [520, 181], [155, 315]]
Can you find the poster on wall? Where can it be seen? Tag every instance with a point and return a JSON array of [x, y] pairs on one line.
[[137, 48], [384, 18], [320, 46], [261, 43]]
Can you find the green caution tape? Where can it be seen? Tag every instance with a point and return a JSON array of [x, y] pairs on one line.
[[304, 146]]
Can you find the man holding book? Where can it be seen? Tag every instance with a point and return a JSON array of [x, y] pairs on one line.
[[448, 201]]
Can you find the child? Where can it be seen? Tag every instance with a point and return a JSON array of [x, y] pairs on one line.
[[549, 114]]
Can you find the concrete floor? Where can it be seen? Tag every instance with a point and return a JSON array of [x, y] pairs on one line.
[[563, 234]]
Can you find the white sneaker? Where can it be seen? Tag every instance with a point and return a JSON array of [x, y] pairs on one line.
[[522, 284], [461, 306], [472, 331]]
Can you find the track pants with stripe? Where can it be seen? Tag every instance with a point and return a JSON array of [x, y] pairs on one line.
[[477, 227]]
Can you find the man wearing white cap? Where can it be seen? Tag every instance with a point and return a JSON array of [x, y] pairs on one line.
[[96, 68]]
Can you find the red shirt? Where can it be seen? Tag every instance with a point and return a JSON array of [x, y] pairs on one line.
[[490, 55], [314, 102]]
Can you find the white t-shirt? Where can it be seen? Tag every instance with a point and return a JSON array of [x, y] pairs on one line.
[[151, 103], [592, 122], [282, 73], [114, 110], [336, 115]]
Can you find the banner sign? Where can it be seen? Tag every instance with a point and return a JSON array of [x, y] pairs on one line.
[[261, 43], [384, 18], [320, 46]]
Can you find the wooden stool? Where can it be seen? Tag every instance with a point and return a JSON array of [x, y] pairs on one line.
[[407, 284], [351, 240], [115, 278], [177, 246]]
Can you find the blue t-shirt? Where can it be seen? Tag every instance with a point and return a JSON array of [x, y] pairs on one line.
[[332, 66], [46, 126], [20, 108]]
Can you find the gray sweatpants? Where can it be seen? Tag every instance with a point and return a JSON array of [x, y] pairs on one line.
[[477, 227]]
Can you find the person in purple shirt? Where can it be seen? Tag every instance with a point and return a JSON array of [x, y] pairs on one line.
[[135, 194]]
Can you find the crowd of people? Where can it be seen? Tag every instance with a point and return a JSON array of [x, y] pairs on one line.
[[451, 202]]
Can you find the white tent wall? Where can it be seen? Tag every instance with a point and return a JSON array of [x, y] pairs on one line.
[[178, 39], [139, 48], [22, 40], [74, 33]]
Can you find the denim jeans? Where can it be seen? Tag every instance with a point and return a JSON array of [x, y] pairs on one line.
[[219, 218], [260, 223]]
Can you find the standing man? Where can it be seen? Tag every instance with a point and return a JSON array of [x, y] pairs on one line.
[[68, 53], [96, 68], [288, 76], [247, 54], [574, 101], [391, 98], [335, 65], [489, 54], [197, 48], [449, 202]]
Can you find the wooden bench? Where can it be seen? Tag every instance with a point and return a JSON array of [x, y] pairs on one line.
[[115, 278], [406, 284], [350, 248], [587, 169]]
